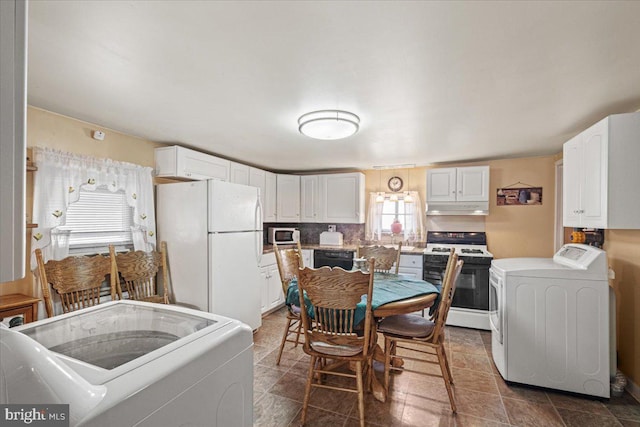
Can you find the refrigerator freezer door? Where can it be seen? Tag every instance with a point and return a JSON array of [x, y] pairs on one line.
[[182, 223], [235, 278], [233, 207]]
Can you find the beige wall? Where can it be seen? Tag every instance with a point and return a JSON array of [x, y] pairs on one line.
[[623, 252], [46, 129], [512, 231]]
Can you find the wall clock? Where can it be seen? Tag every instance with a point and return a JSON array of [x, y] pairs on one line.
[[395, 183]]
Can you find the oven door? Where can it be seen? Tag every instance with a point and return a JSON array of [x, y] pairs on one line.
[[472, 289], [495, 304]]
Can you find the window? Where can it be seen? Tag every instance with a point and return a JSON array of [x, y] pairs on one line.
[[99, 218], [394, 209]]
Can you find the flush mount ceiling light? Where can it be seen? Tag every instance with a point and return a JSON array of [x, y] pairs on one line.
[[328, 124]]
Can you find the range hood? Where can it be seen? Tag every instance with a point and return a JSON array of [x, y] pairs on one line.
[[457, 208]]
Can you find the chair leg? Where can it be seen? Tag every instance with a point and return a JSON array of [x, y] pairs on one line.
[[387, 362], [445, 376], [307, 388], [360, 391], [284, 340], [446, 363], [298, 332]]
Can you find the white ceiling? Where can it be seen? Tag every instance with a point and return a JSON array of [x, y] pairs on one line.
[[431, 81]]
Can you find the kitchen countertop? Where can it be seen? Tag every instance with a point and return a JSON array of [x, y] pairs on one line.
[[415, 250]]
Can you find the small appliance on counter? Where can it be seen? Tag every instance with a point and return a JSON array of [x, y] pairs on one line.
[[126, 363], [331, 238]]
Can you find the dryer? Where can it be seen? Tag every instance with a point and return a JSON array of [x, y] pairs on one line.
[[550, 320]]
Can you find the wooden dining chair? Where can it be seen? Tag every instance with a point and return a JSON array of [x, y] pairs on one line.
[[289, 262], [422, 335], [385, 257], [332, 334], [139, 271], [77, 280]]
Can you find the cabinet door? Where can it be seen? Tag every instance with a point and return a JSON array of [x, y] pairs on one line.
[[472, 184], [342, 198], [269, 205], [182, 162], [276, 296], [264, 290], [571, 186], [307, 257], [441, 185], [309, 198], [288, 198], [239, 173], [593, 195], [411, 265]]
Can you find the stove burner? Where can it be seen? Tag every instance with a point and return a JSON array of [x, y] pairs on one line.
[[440, 250], [471, 251]]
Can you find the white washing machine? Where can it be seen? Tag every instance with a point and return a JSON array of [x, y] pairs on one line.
[[550, 320], [128, 363]]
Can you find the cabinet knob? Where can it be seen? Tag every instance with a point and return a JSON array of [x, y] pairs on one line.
[[453, 192]]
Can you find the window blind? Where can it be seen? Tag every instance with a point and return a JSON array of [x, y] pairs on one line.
[[99, 218]]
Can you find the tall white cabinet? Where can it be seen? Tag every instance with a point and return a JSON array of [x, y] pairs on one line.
[[601, 175], [310, 198], [342, 198], [465, 184], [288, 198]]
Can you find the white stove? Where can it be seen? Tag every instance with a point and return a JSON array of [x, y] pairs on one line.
[[470, 306], [461, 250]]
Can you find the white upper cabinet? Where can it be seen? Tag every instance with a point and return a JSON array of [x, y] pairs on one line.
[[310, 198], [465, 184], [288, 198], [342, 198], [180, 162], [269, 205], [239, 173], [601, 175]]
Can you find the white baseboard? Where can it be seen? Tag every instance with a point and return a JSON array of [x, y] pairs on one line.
[[633, 389]]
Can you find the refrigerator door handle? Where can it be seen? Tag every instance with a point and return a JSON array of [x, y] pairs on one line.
[[258, 226]]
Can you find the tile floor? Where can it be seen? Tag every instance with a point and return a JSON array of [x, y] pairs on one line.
[[483, 398]]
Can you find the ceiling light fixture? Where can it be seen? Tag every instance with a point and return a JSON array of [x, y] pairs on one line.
[[328, 124]]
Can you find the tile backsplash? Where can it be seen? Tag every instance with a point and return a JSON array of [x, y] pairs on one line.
[[310, 232]]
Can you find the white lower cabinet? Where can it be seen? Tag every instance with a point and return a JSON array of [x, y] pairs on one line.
[[307, 257], [411, 265], [271, 286]]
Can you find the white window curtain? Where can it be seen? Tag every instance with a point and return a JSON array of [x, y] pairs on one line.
[[57, 182], [414, 230]]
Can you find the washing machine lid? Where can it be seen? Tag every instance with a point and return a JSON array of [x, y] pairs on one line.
[[541, 267], [105, 341]]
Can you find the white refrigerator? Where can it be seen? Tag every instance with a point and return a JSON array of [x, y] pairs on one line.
[[213, 231]]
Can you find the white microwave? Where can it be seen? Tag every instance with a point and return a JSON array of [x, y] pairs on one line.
[[281, 235]]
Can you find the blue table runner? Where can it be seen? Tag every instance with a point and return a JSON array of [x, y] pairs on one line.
[[387, 288]]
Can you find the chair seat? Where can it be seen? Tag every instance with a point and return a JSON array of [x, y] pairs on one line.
[[407, 325], [335, 350]]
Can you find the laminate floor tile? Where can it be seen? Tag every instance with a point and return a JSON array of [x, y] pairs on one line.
[[483, 398]]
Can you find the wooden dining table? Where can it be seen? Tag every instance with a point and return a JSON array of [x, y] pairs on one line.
[[392, 294]]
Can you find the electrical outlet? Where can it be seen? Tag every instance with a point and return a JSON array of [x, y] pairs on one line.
[[332, 227]]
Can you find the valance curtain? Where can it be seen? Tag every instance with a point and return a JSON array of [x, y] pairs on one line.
[[58, 182], [414, 230]]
